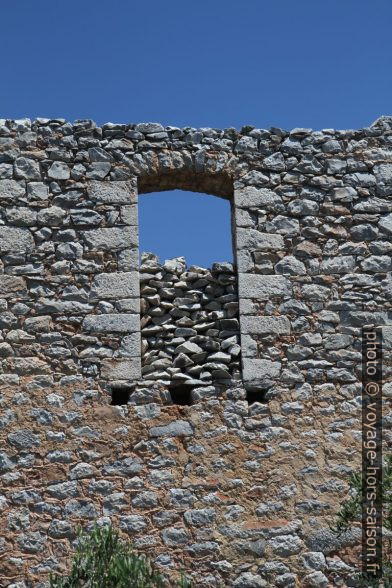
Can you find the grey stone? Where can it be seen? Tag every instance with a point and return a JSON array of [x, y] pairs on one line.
[[59, 171], [23, 439], [121, 369], [132, 524], [112, 323], [84, 509], [63, 490], [21, 216], [255, 197], [27, 169], [385, 223], [249, 580], [174, 536], [127, 466], [338, 265], [37, 191], [253, 239], [60, 529], [263, 287], [11, 190], [31, 542], [81, 470], [174, 429], [112, 238], [260, 369], [261, 325], [13, 239], [51, 217], [285, 545], [113, 503], [316, 580], [303, 207], [10, 285], [290, 265], [115, 285], [112, 192], [200, 517], [145, 499], [326, 541]]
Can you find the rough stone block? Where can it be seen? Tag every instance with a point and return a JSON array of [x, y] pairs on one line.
[[263, 325], [112, 238], [112, 192], [9, 285], [174, 429], [253, 239], [256, 370], [263, 287], [15, 239], [258, 197], [116, 285], [112, 323], [129, 215], [11, 190], [128, 260], [121, 369]]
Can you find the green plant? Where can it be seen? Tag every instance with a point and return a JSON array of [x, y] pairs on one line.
[[351, 512], [103, 560]]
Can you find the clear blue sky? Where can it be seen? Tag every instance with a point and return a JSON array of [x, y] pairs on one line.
[[220, 63]]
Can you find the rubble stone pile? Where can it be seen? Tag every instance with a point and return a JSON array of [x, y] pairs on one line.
[[189, 323]]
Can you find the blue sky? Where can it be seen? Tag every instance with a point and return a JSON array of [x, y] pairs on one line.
[[220, 63]]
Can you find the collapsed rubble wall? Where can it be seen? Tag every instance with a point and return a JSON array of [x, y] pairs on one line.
[[189, 323]]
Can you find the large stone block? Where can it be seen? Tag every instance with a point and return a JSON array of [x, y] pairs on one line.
[[116, 285], [15, 239], [260, 371], [253, 239], [112, 192], [112, 323], [11, 190], [263, 325], [121, 369], [9, 285], [112, 238], [263, 287], [258, 197]]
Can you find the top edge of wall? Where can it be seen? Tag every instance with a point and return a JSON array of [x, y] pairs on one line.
[[382, 123]]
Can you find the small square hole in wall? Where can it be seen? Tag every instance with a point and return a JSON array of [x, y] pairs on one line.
[[120, 396], [255, 396], [181, 394]]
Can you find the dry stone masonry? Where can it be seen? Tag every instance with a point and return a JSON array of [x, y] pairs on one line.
[[239, 387], [189, 324]]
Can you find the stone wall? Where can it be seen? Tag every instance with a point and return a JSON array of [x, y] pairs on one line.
[[239, 493], [189, 324]]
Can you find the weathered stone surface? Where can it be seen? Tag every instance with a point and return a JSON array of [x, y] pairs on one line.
[[9, 285], [116, 285], [111, 239], [11, 190], [111, 323], [59, 171], [260, 369], [263, 287], [15, 239], [112, 192], [121, 369], [252, 239], [174, 429], [262, 325], [24, 439], [257, 197]]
